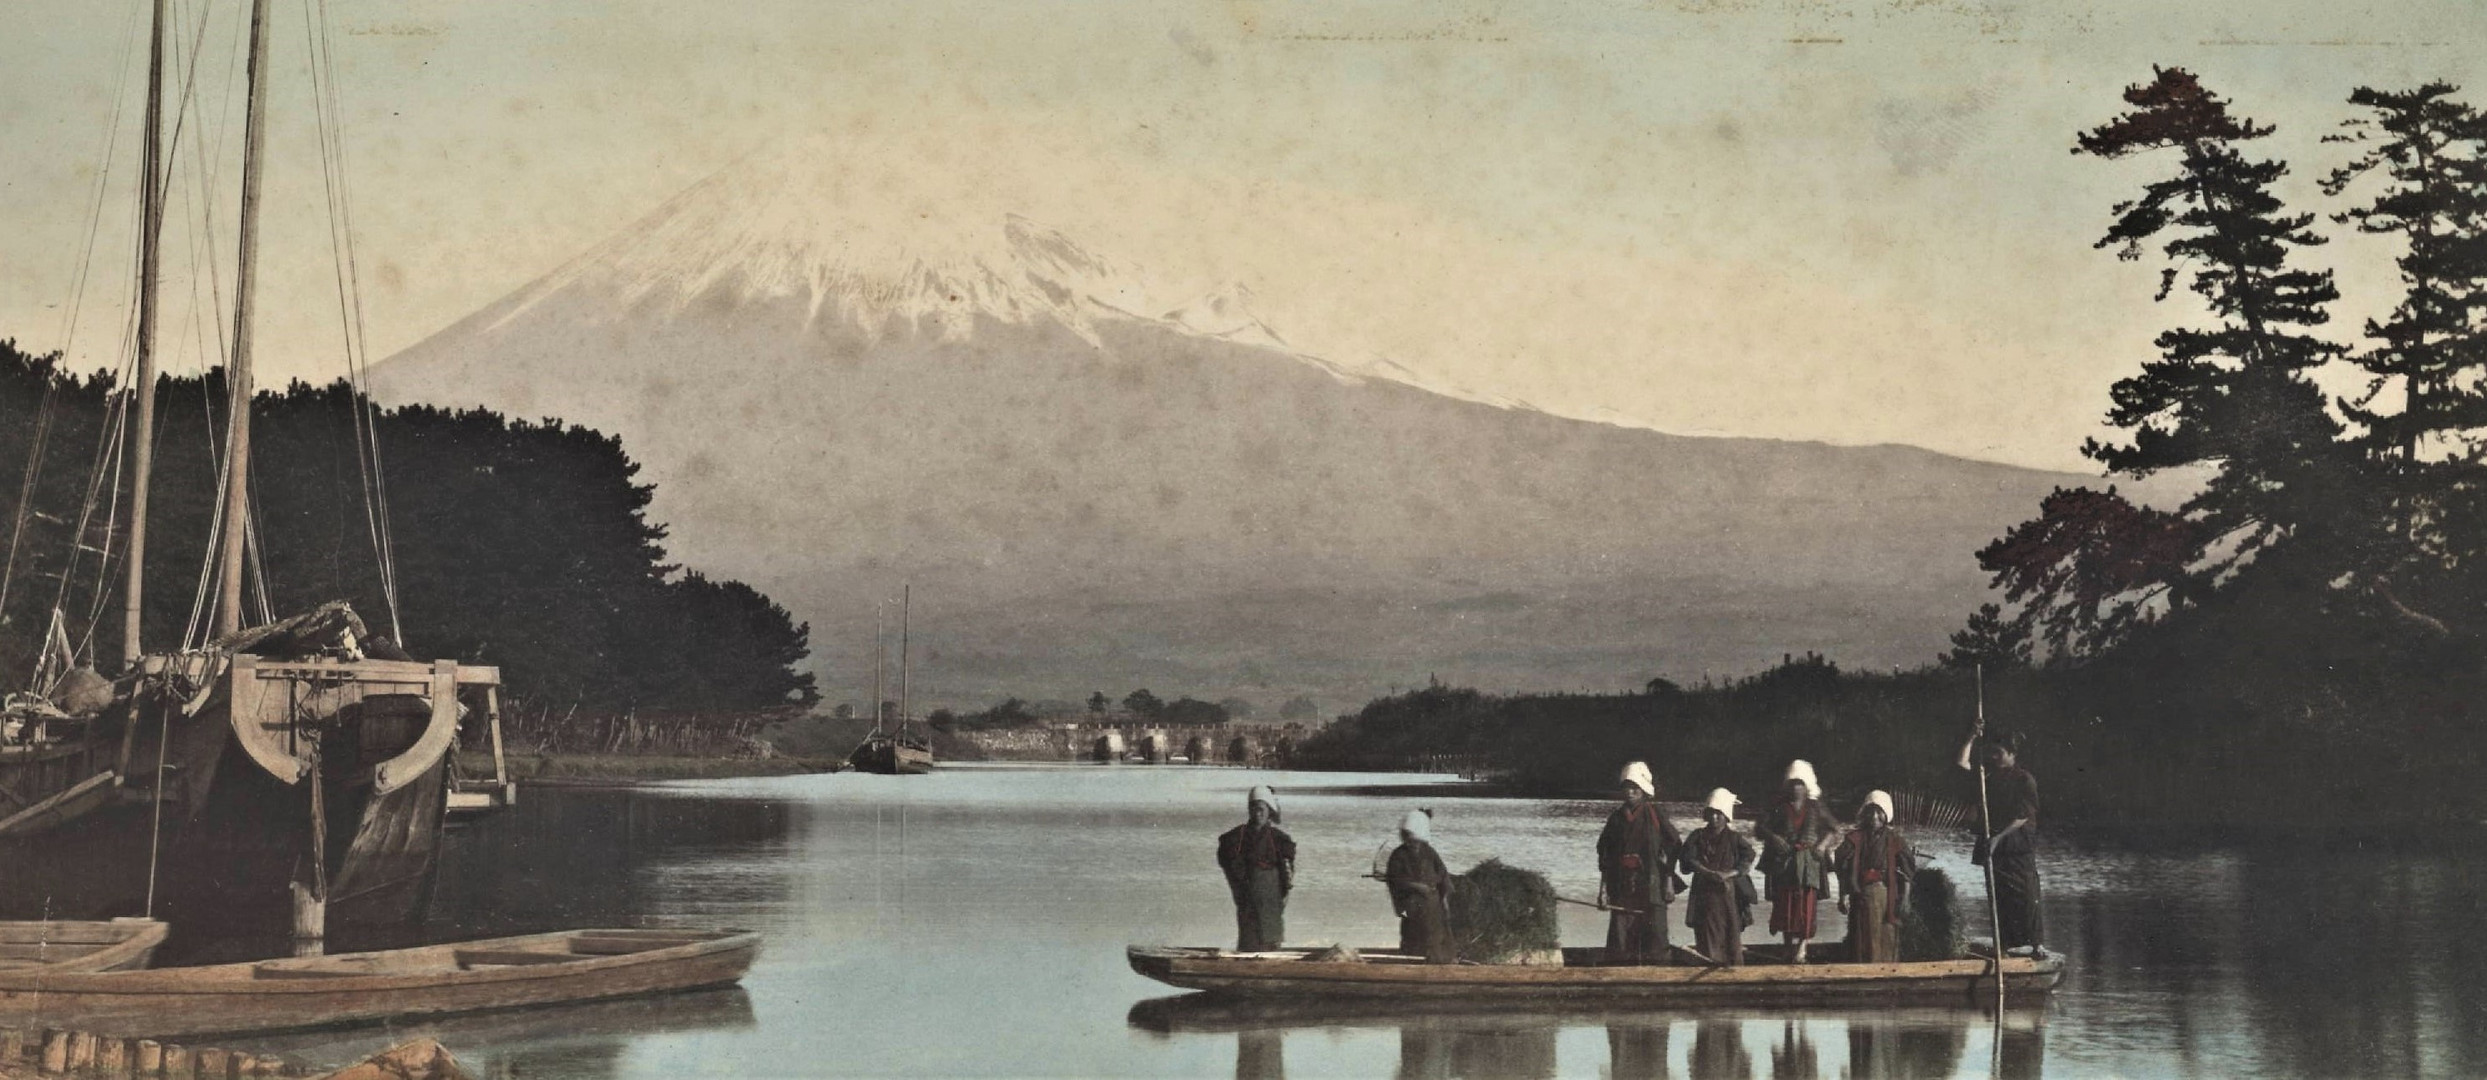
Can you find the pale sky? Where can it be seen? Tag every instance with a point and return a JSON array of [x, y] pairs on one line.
[[1821, 219]]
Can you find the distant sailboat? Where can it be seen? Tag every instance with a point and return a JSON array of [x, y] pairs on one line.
[[897, 752]]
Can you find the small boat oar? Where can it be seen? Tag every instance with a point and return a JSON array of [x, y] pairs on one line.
[[1560, 899]]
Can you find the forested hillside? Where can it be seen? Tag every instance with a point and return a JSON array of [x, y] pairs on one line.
[[519, 543]]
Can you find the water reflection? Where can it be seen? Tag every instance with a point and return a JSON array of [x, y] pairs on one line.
[[1466, 1039], [1636, 1049], [581, 1041], [896, 907]]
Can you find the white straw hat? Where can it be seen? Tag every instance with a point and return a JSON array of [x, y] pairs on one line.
[[1723, 801], [1418, 825], [1637, 775], [1801, 769]]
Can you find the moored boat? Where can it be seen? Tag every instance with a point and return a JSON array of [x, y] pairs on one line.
[[1583, 975], [899, 751], [61, 945], [349, 988], [893, 755]]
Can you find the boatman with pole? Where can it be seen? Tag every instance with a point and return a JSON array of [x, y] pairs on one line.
[[1636, 872], [1259, 860], [2009, 852]]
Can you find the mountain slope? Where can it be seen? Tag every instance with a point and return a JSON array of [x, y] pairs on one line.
[[1096, 488]]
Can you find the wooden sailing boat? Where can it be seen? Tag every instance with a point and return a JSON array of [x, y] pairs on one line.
[[898, 752], [280, 776]]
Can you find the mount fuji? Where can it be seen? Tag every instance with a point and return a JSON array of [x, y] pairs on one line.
[[1093, 486]]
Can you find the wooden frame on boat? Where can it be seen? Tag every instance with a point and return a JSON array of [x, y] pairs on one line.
[[1381, 973], [319, 991]]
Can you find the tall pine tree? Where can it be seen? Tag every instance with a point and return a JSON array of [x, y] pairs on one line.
[[2234, 395], [2424, 154]]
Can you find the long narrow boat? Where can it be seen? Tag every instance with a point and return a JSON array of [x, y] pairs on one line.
[[350, 988], [1582, 975], [117, 945], [1225, 1014]]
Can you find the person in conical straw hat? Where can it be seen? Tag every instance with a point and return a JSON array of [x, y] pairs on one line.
[[1874, 866], [1797, 834], [1636, 872], [1720, 863], [1420, 891], [1258, 858]]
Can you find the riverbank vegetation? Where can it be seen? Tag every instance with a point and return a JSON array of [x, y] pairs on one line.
[[2300, 641], [524, 544]]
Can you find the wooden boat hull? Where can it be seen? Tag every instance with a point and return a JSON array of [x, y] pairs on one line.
[[1287, 973], [275, 995], [889, 757], [80, 831], [1227, 1014], [117, 945]]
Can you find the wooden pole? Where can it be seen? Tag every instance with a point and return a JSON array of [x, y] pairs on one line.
[[311, 898], [1986, 829], [245, 296], [142, 429], [906, 604]]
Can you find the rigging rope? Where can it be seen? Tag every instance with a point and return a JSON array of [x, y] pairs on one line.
[[330, 111], [32, 478]]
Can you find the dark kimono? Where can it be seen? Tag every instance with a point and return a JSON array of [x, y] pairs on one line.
[[1793, 869], [1636, 862], [1260, 871], [1420, 894], [2012, 795], [1874, 871], [1717, 915]]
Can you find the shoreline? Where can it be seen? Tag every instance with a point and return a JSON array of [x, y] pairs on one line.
[[565, 768]]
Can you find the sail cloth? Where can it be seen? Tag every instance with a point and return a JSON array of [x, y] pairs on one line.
[[331, 629]]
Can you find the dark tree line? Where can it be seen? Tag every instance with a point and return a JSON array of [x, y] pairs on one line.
[[2299, 642], [518, 543]]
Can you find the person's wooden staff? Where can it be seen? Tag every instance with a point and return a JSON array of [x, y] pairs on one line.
[[1598, 904], [1986, 832]]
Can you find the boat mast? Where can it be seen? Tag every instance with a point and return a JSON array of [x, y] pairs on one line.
[[877, 656], [150, 230], [237, 372], [906, 600]]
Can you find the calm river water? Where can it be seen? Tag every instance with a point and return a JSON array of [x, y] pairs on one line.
[[972, 923]]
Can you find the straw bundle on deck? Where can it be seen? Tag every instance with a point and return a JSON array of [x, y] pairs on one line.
[[1930, 929], [1501, 913]]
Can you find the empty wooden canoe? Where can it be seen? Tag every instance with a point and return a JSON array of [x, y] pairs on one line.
[[116, 945], [1381, 973], [318, 991]]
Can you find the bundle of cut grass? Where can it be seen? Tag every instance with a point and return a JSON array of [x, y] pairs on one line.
[[1500, 914], [1930, 929]]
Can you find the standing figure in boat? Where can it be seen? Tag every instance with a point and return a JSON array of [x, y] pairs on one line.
[[1720, 863], [1874, 867], [1797, 833], [2012, 810], [1420, 891], [1636, 872], [1259, 860]]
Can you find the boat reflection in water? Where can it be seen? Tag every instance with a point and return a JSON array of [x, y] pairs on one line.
[[571, 1041], [1466, 1039]]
